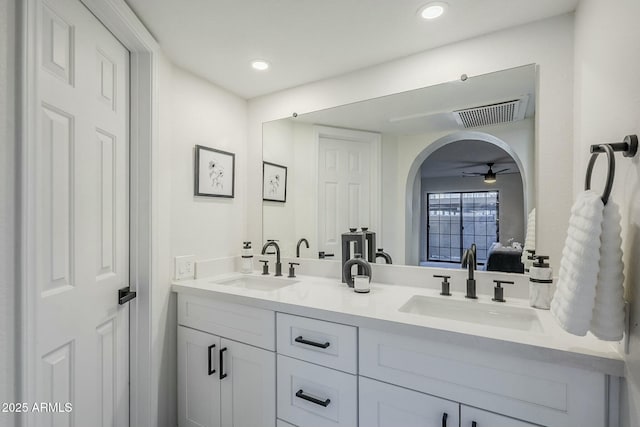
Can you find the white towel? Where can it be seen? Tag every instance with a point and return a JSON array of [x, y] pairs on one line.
[[608, 312], [573, 301], [530, 238]]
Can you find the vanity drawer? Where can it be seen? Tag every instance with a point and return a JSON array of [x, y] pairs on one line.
[[241, 323], [314, 396], [324, 343], [544, 393]]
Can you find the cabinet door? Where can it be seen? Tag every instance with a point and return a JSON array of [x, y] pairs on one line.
[[249, 387], [385, 405], [472, 417], [198, 383]]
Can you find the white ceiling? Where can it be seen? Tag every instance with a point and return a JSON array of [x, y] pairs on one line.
[[307, 40], [467, 156]]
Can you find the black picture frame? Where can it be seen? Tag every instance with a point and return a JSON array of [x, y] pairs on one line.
[[209, 182], [271, 171]]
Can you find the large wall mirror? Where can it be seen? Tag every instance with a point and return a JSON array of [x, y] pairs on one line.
[[431, 171]]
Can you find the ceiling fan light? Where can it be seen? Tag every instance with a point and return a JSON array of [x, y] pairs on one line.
[[490, 178]]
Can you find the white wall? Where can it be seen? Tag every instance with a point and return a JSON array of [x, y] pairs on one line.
[[192, 111], [548, 43], [607, 107], [280, 218], [8, 207]]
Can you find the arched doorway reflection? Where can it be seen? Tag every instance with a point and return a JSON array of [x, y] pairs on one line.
[[455, 198]]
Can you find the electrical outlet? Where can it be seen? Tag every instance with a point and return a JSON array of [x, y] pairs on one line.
[[185, 267]]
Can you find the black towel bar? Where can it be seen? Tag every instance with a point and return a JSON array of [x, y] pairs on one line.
[[610, 172], [629, 148]]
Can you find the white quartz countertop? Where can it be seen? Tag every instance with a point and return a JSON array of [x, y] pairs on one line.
[[330, 300]]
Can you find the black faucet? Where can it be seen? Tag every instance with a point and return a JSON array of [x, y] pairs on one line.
[[278, 263], [303, 240], [469, 261], [382, 254]]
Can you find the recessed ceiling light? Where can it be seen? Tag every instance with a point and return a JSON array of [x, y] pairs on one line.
[[432, 10], [260, 65]]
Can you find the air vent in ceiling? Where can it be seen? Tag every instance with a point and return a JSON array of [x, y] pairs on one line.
[[501, 112]]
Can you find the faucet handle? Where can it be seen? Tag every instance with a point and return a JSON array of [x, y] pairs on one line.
[[292, 269], [498, 291], [265, 266], [446, 286]]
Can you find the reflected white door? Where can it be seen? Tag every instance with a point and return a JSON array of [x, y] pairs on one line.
[[346, 180], [81, 333]]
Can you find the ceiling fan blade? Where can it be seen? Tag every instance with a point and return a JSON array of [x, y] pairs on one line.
[[473, 173], [502, 170]]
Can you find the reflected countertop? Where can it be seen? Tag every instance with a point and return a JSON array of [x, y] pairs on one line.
[[328, 299]]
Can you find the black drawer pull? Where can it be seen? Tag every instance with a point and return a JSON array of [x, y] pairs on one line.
[[444, 419], [312, 343], [222, 373], [210, 370], [311, 399]]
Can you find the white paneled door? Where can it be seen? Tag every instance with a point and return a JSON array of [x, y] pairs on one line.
[[81, 333], [347, 185]]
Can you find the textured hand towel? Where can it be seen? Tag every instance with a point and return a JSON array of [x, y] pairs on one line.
[[573, 301], [530, 238], [608, 312]]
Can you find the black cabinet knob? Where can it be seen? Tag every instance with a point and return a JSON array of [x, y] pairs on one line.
[[312, 343], [223, 374], [210, 370], [324, 403]]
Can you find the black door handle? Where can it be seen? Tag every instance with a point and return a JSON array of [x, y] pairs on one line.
[[444, 419], [125, 295], [323, 403], [312, 343], [222, 373], [210, 370]]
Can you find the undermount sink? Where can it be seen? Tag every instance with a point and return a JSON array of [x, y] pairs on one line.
[[502, 316], [256, 283]]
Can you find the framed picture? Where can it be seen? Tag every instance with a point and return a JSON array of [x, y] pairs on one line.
[[274, 182], [214, 172]]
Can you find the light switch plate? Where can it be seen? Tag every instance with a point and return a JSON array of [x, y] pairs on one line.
[[185, 267]]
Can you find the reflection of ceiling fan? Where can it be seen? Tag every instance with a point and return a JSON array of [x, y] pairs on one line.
[[490, 175]]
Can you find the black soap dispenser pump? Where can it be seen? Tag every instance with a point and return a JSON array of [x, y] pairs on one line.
[[247, 258]]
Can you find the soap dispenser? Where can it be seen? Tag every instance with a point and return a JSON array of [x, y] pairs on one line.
[[247, 258], [531, 256], [540, 283]]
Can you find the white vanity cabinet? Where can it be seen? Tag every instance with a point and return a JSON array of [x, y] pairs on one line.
[[317, 373], [385, 405], [198, 382], [223, 382], [473, 417], [545, 394], [317, 367]]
